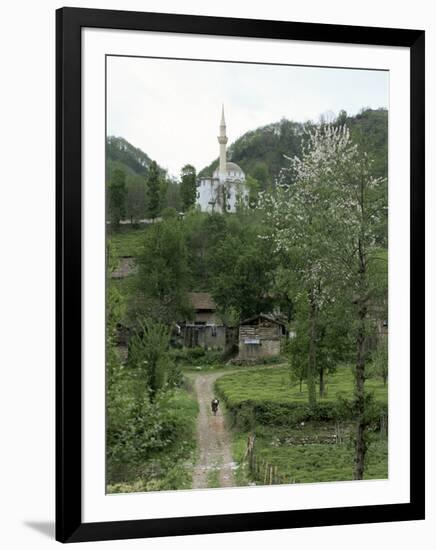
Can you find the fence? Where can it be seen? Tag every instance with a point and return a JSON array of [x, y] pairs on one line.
[[268, 474], [261, 470]]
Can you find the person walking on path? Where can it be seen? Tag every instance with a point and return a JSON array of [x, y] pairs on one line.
[[214, 404]]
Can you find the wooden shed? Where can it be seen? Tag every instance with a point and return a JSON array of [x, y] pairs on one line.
[[260, 337]]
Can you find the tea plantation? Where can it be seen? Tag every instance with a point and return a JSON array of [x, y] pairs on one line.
[[303, 445]]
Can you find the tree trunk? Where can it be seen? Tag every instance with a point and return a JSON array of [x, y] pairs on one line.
[[321, 381], [311, 368], [359, 377], [360, 444]]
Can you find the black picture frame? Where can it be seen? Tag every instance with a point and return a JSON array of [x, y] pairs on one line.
[[69, 525]]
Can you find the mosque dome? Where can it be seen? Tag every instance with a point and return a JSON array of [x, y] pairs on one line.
[[233, 172]]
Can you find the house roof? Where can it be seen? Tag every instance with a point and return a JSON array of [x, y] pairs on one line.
[[262, 316], [202, 301]]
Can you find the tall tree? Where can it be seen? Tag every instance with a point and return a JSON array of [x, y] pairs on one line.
[[188, 186], [328, 219], [172, 196], [148, 356], [117, 197], [241, 268], [163, 277], [153, 191], [296, 216], [358, 218], [332, 344], [135, 198], [253, 187], [202, 233]]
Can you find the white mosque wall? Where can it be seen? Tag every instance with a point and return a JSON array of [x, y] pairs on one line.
[[206, 194], [208, 197]]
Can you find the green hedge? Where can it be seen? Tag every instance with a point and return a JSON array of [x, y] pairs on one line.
[[266, 396], [197, 356], [245, 415]]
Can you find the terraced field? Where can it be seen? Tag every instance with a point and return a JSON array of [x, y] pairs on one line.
[[304, 446]]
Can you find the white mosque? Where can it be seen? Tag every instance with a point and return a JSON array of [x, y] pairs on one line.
[[226, 188]]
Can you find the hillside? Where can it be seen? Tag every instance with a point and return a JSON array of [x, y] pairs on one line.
[[260, 152], [122, 154]]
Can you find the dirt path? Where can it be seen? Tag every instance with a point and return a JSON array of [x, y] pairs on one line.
[[214, 441]]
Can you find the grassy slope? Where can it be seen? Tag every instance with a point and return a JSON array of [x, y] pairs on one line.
[[323, 462], [127, 241], [274, 385], [297, 451], [312, 463]]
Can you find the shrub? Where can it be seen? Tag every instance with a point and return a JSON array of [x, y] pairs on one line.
[[148, 439], [267, 413], [196, 356]]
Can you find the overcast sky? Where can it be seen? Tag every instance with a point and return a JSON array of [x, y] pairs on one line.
[[171, 108]]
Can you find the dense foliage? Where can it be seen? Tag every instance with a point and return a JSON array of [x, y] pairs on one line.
[[148, 187], [188, 186], [262, 153], [150, 415], [327, 215], [117, 193]]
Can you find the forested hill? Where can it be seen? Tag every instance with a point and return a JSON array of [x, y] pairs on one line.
[[260, 152], [121, 154]]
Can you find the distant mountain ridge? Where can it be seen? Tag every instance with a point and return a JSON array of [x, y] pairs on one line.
[[122, 154], [261, 152]]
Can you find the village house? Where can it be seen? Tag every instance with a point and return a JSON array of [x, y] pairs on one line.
[[260, 337], [207, 329]]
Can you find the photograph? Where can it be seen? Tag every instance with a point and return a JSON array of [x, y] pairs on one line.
[[246, 274], [224, 271]]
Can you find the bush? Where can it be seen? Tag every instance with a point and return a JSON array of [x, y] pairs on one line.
[[267, 397], [274, 360], [196, 356], [246, 414], [249, 413], [149, 439]]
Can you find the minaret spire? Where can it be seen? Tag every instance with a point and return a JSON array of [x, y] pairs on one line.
[[222, 140]]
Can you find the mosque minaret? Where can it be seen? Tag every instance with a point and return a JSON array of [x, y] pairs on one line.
[[222, 140], [226, 189]]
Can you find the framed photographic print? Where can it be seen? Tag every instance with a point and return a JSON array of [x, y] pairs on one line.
[[240, 274]]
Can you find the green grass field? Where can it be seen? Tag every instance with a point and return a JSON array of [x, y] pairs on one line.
[[127, 286], [302, 452], [274, 384], [321, 462], [128, 241], [311, 463]]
